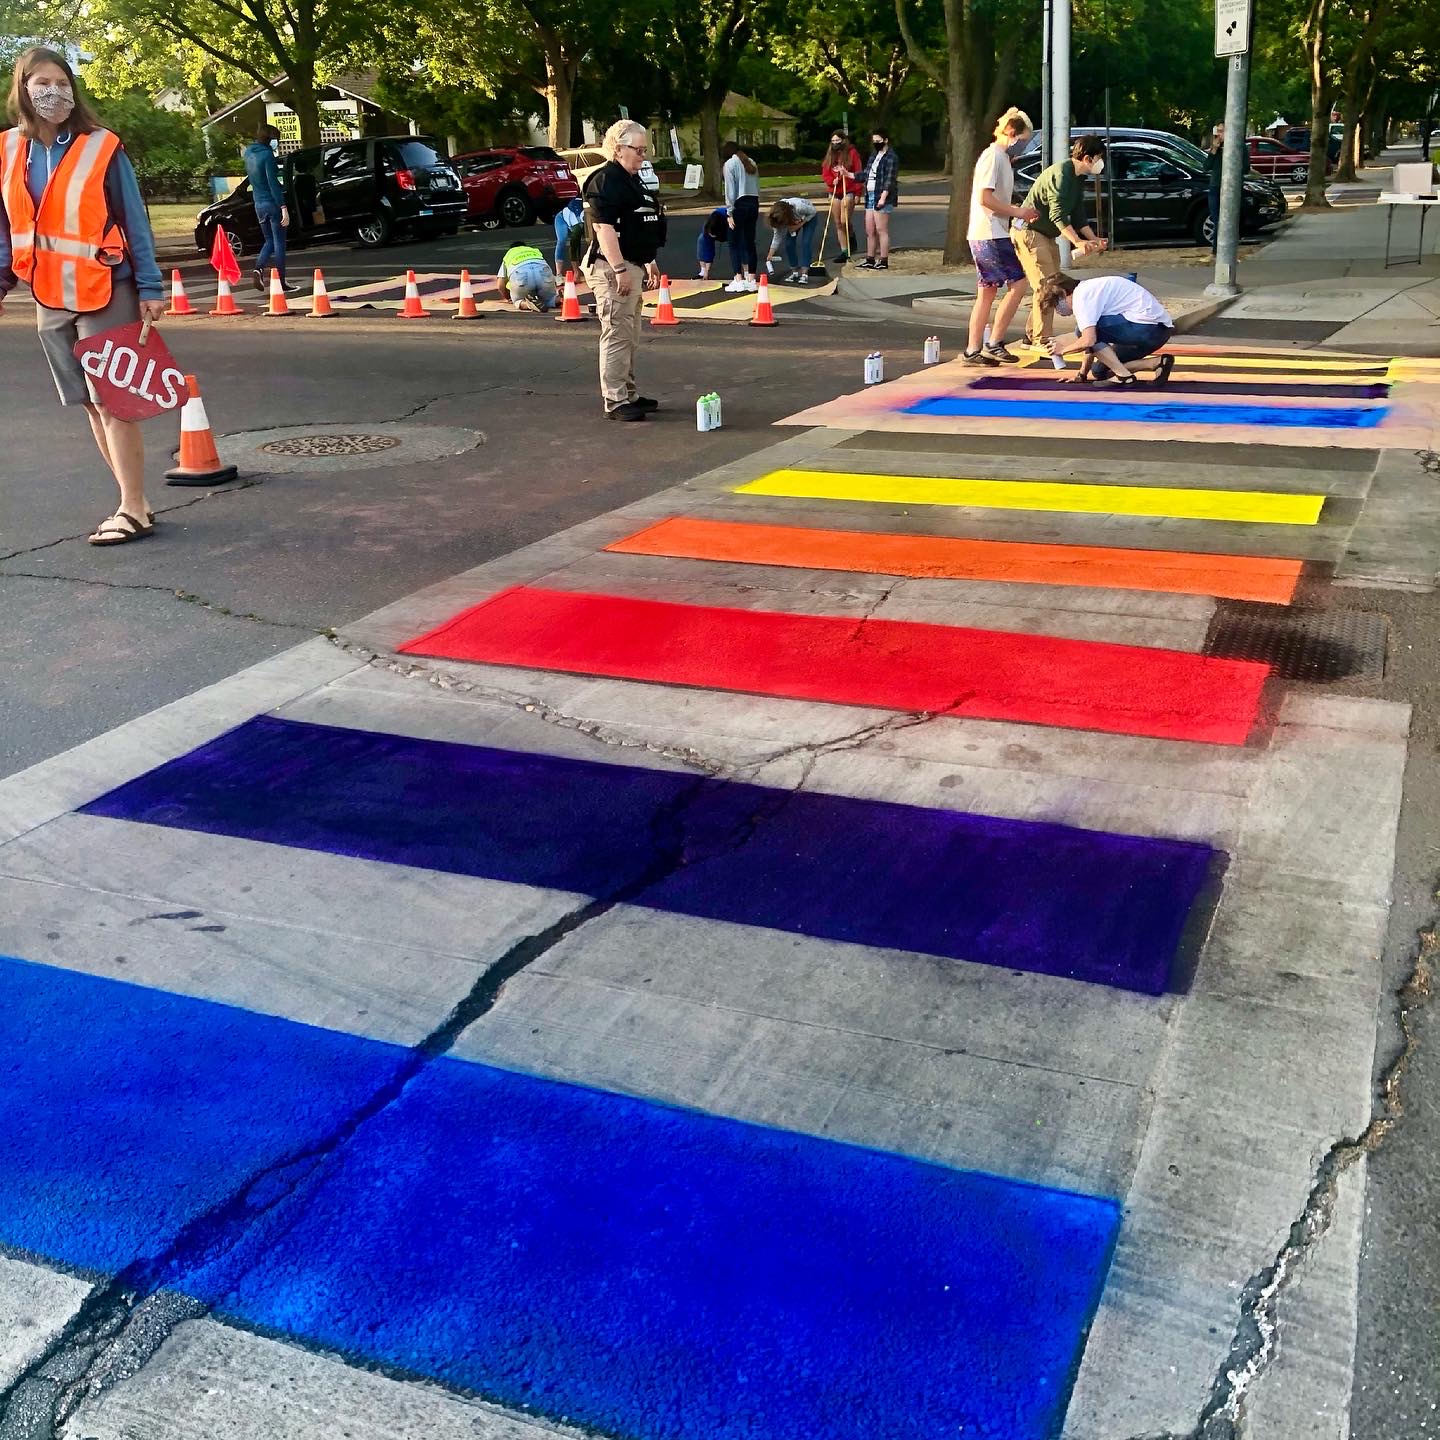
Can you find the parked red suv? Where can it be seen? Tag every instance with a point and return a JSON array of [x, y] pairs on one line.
[[515, 186], [1279, 162]]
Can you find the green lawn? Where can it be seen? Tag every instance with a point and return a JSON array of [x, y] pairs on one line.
[[171, 219]]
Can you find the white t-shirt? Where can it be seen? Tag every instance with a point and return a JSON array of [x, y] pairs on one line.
[[1115, 295], [993, 171]]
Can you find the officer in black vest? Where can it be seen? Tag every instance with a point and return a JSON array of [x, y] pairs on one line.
[[626, 225]]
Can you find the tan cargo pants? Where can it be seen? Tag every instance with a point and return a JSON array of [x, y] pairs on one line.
[[619, 330], [1040, 259]]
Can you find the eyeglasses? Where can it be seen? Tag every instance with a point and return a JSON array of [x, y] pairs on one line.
[[638, 149]]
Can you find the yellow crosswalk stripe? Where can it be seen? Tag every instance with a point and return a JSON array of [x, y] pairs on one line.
[[1265, 506]]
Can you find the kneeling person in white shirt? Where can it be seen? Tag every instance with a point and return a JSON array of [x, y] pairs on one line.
[[1118, 323]]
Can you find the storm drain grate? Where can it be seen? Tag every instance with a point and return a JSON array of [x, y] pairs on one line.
[[1313, 645], [328, 445]]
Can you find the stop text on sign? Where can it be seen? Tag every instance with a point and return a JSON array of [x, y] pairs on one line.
[[126, 369]]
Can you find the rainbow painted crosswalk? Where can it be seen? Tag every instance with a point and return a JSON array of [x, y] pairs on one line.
[[746, 993]]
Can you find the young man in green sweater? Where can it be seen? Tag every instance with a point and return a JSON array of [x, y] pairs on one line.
[[1058, 195]]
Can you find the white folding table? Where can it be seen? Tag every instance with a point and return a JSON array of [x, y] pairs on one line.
[[1394, 201]]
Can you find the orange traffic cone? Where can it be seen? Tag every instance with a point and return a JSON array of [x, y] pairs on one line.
[[571, 309], [468, 309], [763, 315], [179, 300], [664, 306], [320, 305], [413, 309], [225, 301], [199, 461], [279, 305]]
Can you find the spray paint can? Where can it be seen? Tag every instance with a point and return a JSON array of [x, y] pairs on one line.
[[707, 412], [874, 368], [932, 350]]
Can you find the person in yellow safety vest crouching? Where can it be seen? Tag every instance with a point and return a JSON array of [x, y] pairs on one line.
[[73, 227]]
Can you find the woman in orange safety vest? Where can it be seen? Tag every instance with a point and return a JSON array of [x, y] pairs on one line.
[[73, 227]]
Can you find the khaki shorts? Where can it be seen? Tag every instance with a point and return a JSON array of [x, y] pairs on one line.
[[60, 329]]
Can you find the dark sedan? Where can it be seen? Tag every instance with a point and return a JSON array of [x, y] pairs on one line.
[[1161, 192]]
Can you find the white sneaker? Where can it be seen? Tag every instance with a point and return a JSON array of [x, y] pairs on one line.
[[752, 286], [801, 278], [736, 286]]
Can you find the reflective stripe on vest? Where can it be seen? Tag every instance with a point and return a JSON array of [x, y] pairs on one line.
[[56, 246]]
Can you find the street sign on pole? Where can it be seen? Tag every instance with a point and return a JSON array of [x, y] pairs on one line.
[[1232, 27]]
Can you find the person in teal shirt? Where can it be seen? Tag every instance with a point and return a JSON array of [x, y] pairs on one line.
[[527, 275]]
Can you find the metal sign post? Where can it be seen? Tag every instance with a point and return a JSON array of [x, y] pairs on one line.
[[1233, 19], [1060, 95]]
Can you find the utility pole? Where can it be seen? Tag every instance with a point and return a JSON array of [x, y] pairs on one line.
[[1046, 105], [1060, 95], [1233, 21]]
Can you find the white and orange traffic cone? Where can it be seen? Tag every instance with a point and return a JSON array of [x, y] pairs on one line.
[[179, 300], [225, 300], [664, 306], [320, 306], [570, 311], [414, 308], [279, 305], [468, 309], [199, 460], [764, 314]]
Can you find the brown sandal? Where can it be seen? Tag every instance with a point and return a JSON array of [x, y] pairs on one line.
[[120, 529]]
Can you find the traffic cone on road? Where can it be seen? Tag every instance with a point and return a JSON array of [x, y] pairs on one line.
[[764, 314], [664, 306], [320, 306], [179, 300], [225, 300], [279, 305], [413, 309], [571, 309], [199, 460], [468, 309]]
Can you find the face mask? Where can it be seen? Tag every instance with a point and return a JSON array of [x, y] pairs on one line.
[[275, 146], [1098, 168], [53, 103], [1065, 309]]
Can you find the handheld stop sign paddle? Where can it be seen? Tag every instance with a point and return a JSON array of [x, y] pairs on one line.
[[132, 372]]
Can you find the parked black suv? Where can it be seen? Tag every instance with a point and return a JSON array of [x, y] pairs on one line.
[[1161, 190], [375, 190]]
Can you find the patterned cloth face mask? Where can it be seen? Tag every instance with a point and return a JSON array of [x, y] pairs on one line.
[[53, 102]]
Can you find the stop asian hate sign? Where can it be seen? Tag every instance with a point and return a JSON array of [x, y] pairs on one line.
[[132, 372]]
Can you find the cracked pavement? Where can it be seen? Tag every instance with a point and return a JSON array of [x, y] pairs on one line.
[[239, 576]]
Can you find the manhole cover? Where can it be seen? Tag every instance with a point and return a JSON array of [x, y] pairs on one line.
[[1311, 645], [314, 446]]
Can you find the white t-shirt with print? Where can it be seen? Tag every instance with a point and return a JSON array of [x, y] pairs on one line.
[[1115, 295], [993, 171]]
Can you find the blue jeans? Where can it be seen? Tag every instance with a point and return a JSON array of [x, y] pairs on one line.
[[1129, 340], [272, 232], [742, 237], [800, 244], [533, 277]]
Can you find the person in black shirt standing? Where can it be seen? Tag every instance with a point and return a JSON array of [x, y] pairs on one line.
[[1214, 166], [627, 229]]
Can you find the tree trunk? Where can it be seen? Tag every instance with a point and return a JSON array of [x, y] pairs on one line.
[[1317, 33], [1349, 143], [962, 157], [304, 101], [710, 143], [559, 94]]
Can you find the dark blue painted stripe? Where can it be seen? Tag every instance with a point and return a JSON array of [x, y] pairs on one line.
[[1078, 903], [651, 1271], [1154, 413]]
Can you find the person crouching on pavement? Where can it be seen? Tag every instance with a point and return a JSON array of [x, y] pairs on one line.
[[527, 275], [628, 229], [73, 227], [715, 229], [1118, 323], [793, 222]]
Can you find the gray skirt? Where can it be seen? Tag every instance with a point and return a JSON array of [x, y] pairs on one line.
[[60, 329]]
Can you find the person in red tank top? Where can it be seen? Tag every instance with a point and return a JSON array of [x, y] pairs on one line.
[[840, 170]]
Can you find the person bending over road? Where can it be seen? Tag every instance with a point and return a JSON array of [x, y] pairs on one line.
[[1118, 323], [715, 229], [1058, 194], [793, 222], [527, 276]]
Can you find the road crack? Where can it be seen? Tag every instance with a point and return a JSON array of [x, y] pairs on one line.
[[1257, 1332]]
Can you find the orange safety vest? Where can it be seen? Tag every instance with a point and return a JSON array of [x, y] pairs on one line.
[[57, 246]]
